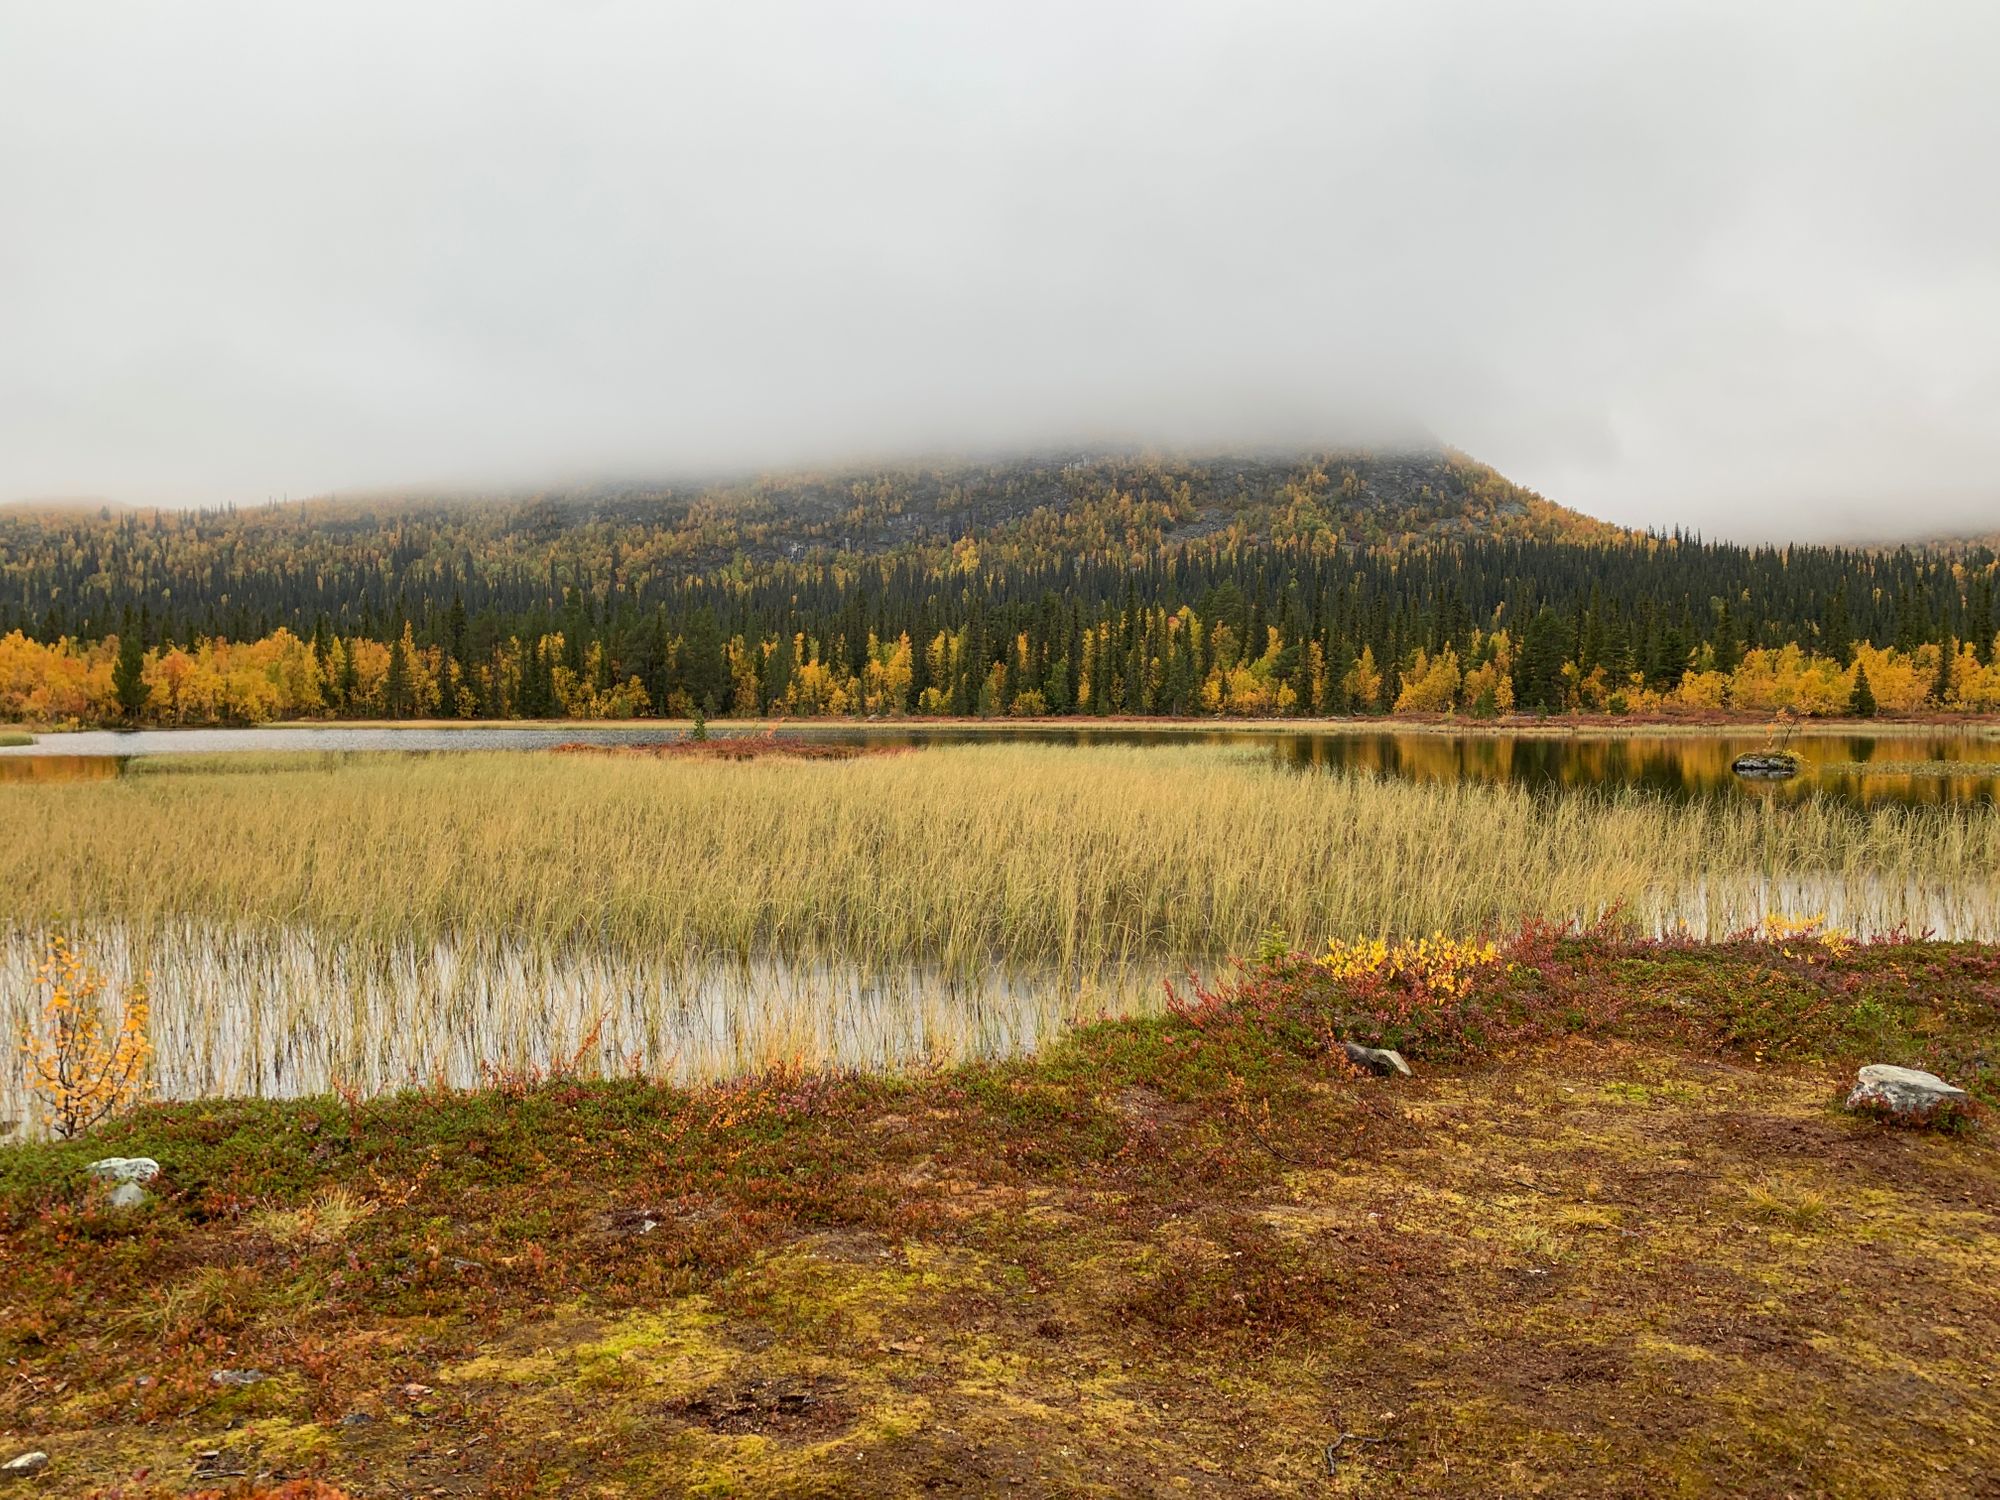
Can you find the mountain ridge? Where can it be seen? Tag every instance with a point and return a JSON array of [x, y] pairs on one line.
[[1065, 583], [1350, 496]]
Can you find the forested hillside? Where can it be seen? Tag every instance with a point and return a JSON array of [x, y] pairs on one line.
[[1323, 583], [242, 573]]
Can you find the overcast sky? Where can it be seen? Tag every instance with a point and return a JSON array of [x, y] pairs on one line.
[[1732, 265]]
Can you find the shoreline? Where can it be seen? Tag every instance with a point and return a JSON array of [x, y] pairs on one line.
[[1512, 726]]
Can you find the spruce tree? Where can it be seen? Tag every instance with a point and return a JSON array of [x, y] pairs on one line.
[[1838, 634], [703, 673], [1941, 685], [128, 680], [396, 687], [1728, 646], [1538, 679], [348, 681], [1979, 624], [1862, 703]]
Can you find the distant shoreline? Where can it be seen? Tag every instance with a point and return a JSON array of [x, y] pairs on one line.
[[1516, 726]]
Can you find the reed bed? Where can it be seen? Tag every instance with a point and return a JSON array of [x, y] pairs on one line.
[[376, 918], [957, 858], [285, 1012]]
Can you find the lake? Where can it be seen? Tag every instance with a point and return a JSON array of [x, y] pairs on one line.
[[1912, 765], [653, 925]]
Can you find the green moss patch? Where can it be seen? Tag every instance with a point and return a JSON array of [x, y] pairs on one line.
[[1644, 1253]]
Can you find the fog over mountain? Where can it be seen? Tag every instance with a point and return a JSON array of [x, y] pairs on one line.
[[1724, 266]]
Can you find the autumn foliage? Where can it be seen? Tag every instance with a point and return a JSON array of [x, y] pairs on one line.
[[1183, 665], [1432, 967], [1330, 583], [79, 1070]]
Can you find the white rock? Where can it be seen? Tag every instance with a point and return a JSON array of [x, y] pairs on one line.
[[128, 1195], [1907, 1094], [23, 1465], [1384, 1060], [125, 1169]]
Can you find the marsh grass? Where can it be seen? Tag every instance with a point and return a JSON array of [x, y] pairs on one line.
[[1927, 768], [283, 1011], [375, 919], [959, 858], [10, 738]]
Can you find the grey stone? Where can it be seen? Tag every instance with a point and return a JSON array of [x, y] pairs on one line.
[[124, 1169], [1767, 765], [22, 1465], [237, 1377], [1383, 1060], [128, 1195], [1908, 1095]]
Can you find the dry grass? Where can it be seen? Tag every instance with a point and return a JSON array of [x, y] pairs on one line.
[[958, 857], [327, 1219], [313, 920], [1774, 1202], [212, 1300]]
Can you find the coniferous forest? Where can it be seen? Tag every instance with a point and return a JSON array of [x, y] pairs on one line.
[[1329, 583]]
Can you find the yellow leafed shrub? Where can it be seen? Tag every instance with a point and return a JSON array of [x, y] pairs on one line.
[[1809, 936], [1436, 965], [79, 1071]]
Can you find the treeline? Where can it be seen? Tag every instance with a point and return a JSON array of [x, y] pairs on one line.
[[1149, 663], [1319, 585]]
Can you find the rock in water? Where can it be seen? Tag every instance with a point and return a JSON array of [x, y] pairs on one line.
[[124, 1169], [23, 1465], [1383, 1060], [1908, 1096], [1767, 765]]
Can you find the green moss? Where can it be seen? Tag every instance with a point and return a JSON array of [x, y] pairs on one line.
[[1619, 1261]]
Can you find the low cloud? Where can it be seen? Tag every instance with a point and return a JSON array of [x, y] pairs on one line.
[[1715, 265]]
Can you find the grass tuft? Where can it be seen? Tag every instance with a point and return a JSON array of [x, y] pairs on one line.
[[325, 1220]]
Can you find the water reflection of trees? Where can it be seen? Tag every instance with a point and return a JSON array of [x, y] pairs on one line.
[[1673, 765], [42, 768]]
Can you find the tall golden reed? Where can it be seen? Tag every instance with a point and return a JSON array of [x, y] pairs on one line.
[[961, 857]]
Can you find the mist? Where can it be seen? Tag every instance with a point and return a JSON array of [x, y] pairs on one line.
[[1711, 265]]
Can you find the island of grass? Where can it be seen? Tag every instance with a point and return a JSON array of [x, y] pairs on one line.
[[1616, 1236], [769, 745]]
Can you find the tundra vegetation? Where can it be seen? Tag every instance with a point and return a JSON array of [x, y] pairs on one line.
[[1615, 1237], [1616, 1234]]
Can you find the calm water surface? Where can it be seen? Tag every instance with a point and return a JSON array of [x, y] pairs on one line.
[[1920, 766]]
